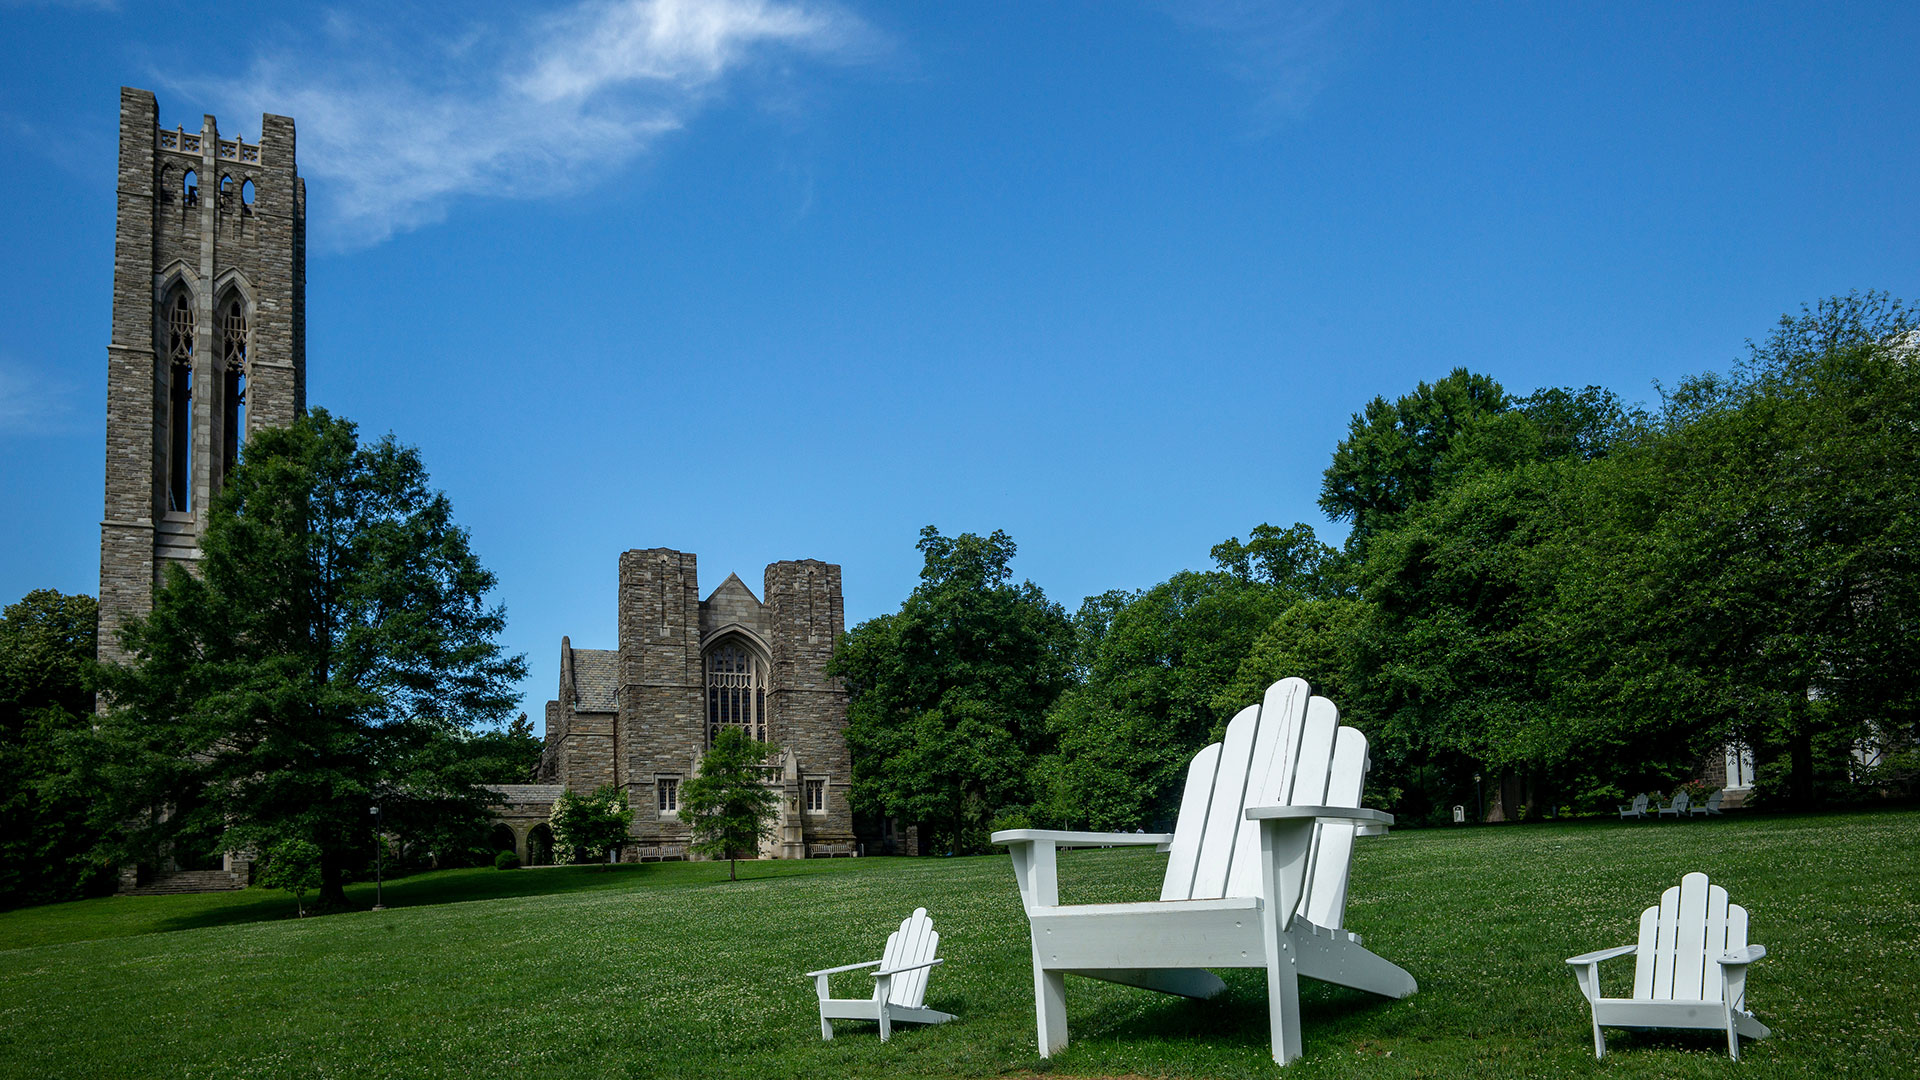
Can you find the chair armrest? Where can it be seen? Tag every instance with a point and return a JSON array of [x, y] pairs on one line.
[[841, 968], [1740, 957], [1603, 954], [910, 967], [1080, 839], [1354, 814]]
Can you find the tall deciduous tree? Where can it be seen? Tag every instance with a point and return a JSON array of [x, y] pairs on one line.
[[337, 634], [46, 643], [948, 695], [729, 805]]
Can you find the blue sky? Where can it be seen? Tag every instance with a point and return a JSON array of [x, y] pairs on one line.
[[766, 279]]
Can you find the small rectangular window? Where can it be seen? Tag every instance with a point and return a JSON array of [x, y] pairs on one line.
[[669, 790], [816, 796]]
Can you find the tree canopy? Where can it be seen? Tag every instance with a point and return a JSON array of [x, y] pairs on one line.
[[948, 696], [335, 643], [46, 839]]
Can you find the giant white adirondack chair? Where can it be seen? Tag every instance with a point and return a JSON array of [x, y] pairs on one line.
[[1678, 808], [1689, 970], [1256, 876], [1638, 808], [899, 986], [1711, 806]]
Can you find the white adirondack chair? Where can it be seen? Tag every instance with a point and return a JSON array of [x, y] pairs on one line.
[[1256, 876], [899, 986], [1678, 808], [1689, 970], [1711, 806], [1637, 810]]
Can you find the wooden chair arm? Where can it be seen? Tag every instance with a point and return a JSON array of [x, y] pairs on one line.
[[1603, 954], [1080, 839], [1742, 957], [841, 968], [1341, 813]]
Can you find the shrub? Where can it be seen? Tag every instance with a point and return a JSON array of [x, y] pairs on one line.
[[506, 860]]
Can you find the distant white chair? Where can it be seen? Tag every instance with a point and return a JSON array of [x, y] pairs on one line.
[[1689, 971], [1637, 810], [1256, 877], [1711, 806], [1678, 808], [899, 986]]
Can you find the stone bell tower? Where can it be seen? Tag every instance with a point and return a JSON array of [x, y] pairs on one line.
[[209, 335]]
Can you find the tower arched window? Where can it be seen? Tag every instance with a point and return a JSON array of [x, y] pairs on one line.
[[190, 189], [736, 691], [233, 359], [226, 193], [180, 402], [246, 197]]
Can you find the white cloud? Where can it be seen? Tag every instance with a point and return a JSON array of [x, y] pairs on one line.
[[31, 403], [1285, 51], [397, 122]]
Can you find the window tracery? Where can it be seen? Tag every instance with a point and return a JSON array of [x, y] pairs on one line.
[[736, 692], [233, 358], [180, 333]]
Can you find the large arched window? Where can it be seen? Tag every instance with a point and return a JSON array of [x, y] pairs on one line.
[[736, 691], [179, 365], [233, 358]]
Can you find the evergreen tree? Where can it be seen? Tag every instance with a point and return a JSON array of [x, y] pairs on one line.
[[336, 637]]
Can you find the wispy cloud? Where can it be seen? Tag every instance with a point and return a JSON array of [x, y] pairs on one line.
[[396, 122], [1285, 51], [33, 404]]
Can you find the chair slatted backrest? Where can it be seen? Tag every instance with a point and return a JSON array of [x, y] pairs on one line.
[[915, 942], [1681, 937], [1639, 804], [1290, 749]]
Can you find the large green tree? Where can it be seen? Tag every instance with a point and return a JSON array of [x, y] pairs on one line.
[[948, 695], [46, 643], [1754, 568], [337, 636]]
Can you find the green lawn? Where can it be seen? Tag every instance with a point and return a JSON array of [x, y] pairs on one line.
[[669, 970]]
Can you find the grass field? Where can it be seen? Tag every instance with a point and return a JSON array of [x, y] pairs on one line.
[[669, 970]]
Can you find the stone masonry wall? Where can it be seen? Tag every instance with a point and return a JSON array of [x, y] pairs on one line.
[[661, 698], [805, 616]]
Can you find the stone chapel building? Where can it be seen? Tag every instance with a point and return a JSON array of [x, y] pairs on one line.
[[641, 715]]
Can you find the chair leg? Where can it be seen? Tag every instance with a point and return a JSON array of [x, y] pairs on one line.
[[826, 1025], [1733, 1033], [1599, 1040], [1283, 995], [1050, 1009], [886, 1021]]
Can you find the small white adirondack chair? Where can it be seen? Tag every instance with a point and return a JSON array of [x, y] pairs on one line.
[[1678, 808], [1256, 876], [899, 986], [1689, 970], [1637, 810], [1711, 806]]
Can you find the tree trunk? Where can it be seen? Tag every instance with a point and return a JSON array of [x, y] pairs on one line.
[[333, 885], [733, 869]]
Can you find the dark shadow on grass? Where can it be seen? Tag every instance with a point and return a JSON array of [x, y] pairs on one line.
[[1238, 1016]]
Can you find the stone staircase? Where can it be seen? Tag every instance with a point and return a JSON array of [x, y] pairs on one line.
[[186, 881]]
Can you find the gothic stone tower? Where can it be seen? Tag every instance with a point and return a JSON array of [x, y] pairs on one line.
[[641, 716], [209, 335]]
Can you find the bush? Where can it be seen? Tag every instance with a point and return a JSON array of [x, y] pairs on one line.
[[506, 860]]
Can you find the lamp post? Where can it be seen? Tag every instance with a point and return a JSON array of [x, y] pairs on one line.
[[379, 858], [1479, 802]]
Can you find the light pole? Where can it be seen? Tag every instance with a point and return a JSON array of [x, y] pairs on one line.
[[1479, 802], [379, 857]]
